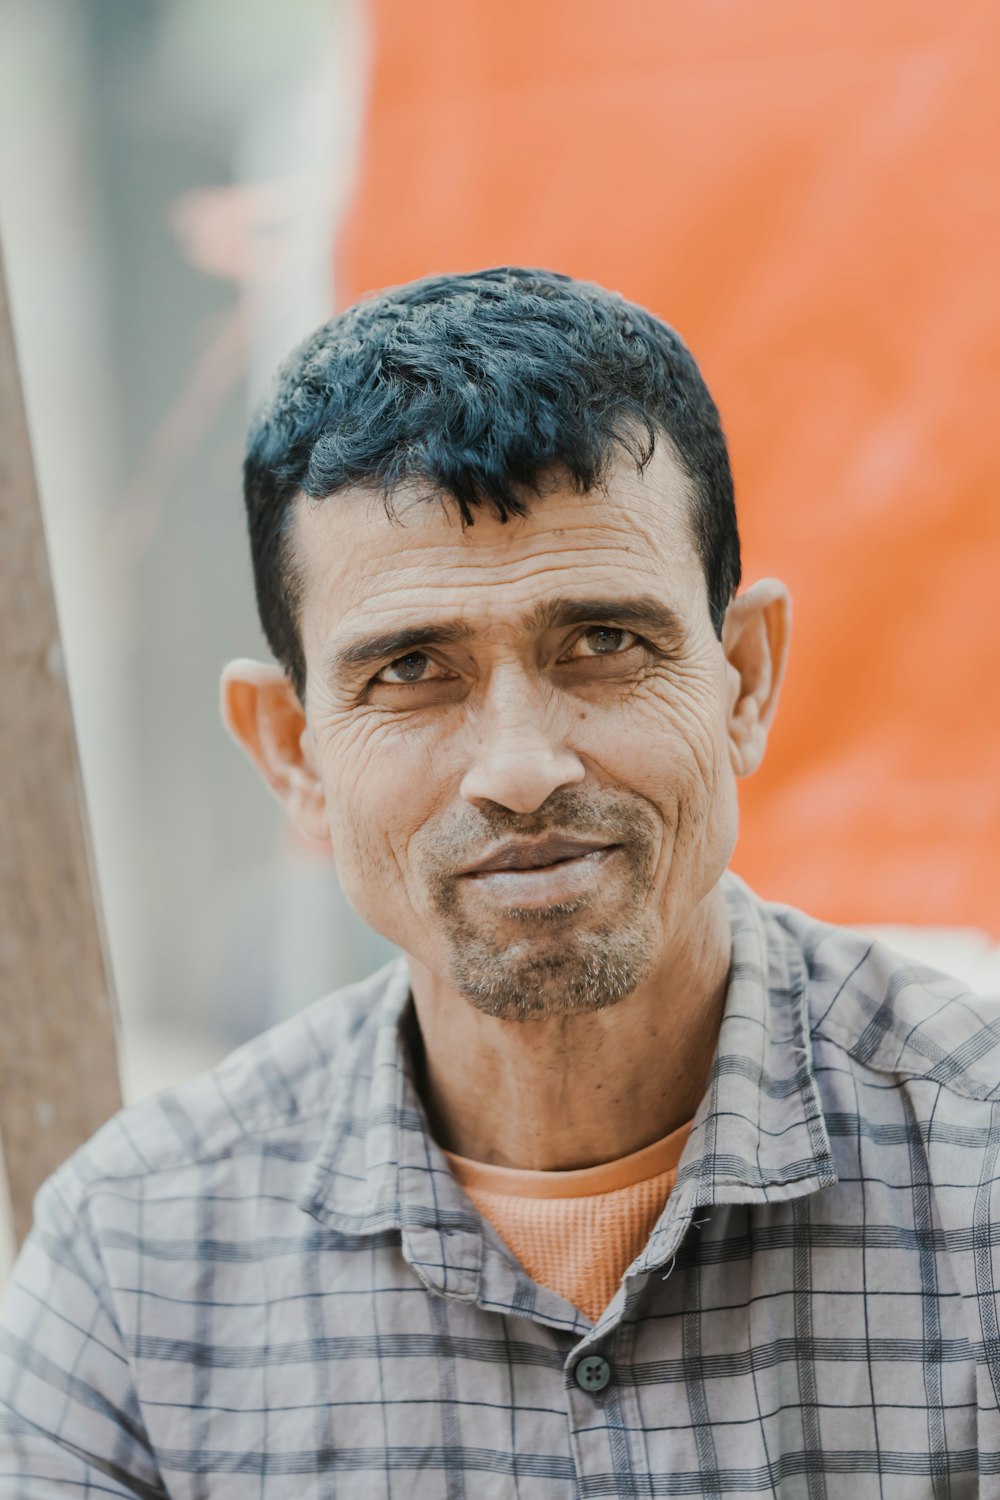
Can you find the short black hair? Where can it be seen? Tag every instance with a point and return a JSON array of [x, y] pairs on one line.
[[479, 385]]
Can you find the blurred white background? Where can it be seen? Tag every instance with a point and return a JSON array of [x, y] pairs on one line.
[[171, 175]]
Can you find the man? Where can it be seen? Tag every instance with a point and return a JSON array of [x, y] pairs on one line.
[[619, 1182]]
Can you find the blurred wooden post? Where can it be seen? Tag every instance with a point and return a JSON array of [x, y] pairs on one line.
[[58, 1066]]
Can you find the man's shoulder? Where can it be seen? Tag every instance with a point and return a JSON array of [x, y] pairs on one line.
[[893, 1014], [282, 1084]]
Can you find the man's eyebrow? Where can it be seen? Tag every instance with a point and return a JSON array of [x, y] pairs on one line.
[[642, 611], [372, 649]]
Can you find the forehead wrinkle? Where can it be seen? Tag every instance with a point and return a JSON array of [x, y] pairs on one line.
[[395, 590], [386, 561], [429, 571], [476, 556]]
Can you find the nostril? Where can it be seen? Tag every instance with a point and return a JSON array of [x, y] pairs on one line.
[[521, 780]]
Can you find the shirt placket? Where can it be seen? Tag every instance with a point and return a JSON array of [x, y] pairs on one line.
[[605, 1427]]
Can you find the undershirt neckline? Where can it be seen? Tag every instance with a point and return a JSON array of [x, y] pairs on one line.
[[580, 1182]]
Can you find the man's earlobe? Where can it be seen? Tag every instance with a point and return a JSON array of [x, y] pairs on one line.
[[755, 640], [262, 712]]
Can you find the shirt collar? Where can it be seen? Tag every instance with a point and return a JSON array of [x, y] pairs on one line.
[[379, 1169], [758, 1135]]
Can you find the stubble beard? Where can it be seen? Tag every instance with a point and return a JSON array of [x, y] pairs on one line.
[[584, 972], [557, 961]]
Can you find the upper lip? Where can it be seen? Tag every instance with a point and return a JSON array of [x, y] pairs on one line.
[[533, 854]]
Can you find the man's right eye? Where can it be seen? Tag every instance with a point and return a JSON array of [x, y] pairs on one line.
[[409, 668]]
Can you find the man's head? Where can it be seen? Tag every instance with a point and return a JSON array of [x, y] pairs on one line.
[[478, 387], [495, 551]]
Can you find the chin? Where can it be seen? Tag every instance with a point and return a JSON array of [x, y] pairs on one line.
[[579, 974]]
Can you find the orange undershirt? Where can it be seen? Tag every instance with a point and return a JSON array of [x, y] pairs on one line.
[[577, 1232]]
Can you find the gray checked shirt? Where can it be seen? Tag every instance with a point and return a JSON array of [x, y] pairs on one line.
[[266, 1283]]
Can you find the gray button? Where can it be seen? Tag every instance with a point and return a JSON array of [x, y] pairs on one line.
[[592, 1373]]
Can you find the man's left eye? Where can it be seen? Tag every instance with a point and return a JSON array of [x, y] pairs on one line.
[[606, 640]]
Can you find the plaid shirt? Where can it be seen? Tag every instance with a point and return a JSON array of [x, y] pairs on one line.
[[267, 1282]]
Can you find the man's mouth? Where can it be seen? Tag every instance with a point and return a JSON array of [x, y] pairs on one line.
[[536, 854], [532, 875]]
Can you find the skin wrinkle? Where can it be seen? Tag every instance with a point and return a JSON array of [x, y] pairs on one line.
[[551, 1013]]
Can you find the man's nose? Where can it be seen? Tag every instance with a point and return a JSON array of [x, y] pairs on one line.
[[520, 759]]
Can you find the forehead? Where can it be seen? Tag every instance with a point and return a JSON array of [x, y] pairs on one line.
[[362, 569]]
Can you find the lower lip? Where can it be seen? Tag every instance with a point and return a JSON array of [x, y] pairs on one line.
[[551, 885]]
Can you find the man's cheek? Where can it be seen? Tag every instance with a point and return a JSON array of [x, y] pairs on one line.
[[369, 850], [368, 877]]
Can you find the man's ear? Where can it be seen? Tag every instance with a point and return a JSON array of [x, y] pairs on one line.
[[262, 712], [755, 640]]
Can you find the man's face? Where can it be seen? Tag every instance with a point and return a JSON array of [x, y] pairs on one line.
[[522, 732]]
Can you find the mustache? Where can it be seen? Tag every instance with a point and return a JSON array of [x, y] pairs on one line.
[[610, 817]]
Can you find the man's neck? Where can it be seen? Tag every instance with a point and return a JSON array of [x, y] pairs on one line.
[[575, 1091]]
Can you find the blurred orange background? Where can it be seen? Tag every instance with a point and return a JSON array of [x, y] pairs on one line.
[[809, 195]]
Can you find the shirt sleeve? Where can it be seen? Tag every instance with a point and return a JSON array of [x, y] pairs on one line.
[[70, 1422]]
